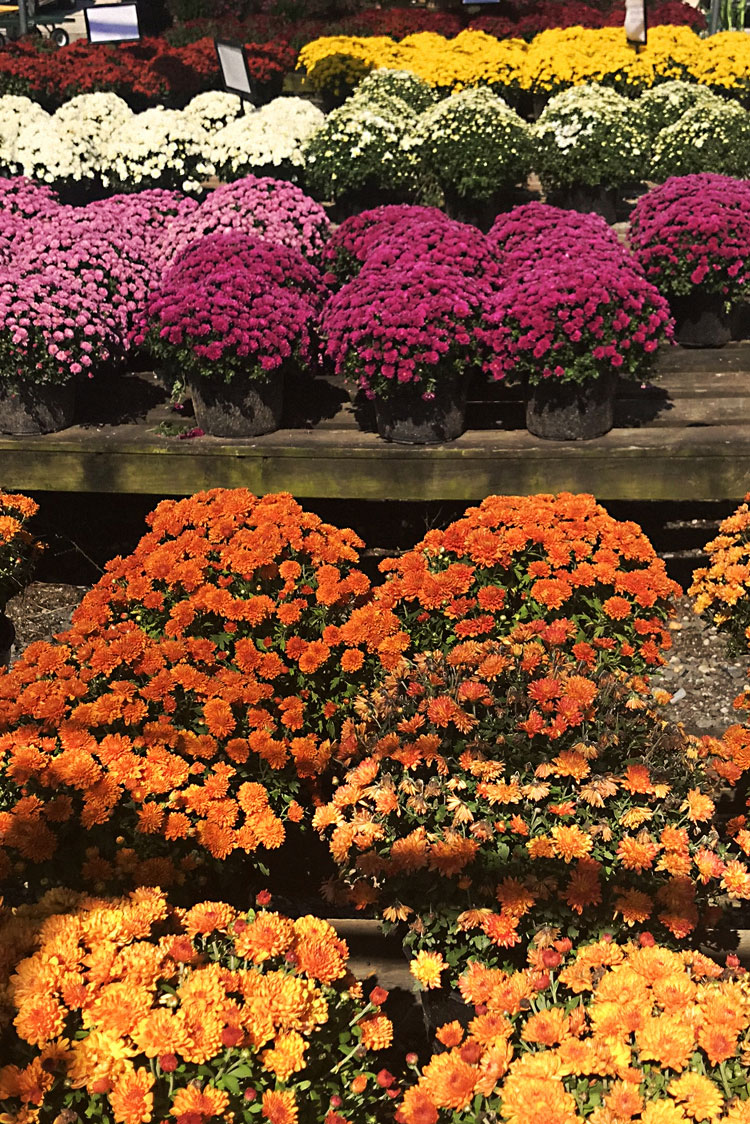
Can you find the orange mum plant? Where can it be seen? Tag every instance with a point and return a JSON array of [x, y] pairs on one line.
[[19, 550], [187, 713], [270, 587], [132, 1011], [604, 1033], [721, 590], [519, 558], [502, 789]]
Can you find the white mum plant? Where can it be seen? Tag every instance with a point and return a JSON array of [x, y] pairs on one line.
[[591, 136], [708, 137], [360, 146], [664, 104], [158, 148], [48, 152], [15, 113], [267, 141], [90, 119], [473, 144], [214, 109]]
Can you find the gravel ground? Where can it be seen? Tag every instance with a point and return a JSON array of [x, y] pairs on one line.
[[41, 611], [703, 680]]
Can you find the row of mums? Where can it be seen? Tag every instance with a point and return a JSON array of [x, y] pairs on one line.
[[468, 749]]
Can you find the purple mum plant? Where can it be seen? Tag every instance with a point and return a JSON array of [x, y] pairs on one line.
[[275, 210], [693, 233]]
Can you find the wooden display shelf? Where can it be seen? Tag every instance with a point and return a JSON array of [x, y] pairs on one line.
[[685, 438]]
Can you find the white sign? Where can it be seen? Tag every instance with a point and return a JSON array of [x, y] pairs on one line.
[[234, 71], [635, 21], [112, 23]]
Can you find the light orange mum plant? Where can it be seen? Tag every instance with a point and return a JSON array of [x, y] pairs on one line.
[[603, 1033], [131, 1011], [721, 590]]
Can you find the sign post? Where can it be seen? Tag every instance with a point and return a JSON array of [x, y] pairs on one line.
[[23, 19], [235, 72]]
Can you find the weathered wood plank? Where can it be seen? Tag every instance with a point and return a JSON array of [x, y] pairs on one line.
[[687, 437], [709, 463]]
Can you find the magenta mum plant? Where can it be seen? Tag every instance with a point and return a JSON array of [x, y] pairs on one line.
[[446, 242], [521, 236], [281, 265], [693, 233], [350, 244], [273, 209], [573, 319], [216, 318], [408, 327]]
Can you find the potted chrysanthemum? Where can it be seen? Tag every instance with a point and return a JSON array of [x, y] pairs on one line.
[[403, 331], [568, 323], [692, 237], [228, 322]]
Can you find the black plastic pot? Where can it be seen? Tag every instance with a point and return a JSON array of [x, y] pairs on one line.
[[557, 410], [7, 640], [580, 197], [408, 419], [28, 408], [739, 321], [701, 319], [443, 1006], [240, 408]]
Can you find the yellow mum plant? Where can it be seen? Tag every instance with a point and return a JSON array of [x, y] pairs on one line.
[[554, 60]]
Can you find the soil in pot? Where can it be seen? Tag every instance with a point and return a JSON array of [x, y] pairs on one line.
[[408, 419], [557, 410], [239, 408], [589, 200], [32, 408]]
